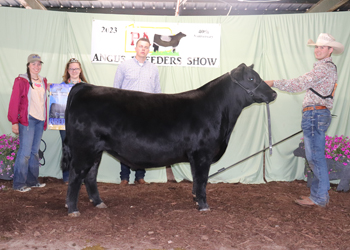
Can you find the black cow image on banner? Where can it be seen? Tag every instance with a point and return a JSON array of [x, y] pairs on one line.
[[167, 41], [146, 130]]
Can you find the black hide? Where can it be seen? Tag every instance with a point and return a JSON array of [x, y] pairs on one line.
[[152, 130]]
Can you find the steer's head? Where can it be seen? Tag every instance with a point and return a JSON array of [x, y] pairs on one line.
[[250, 81]]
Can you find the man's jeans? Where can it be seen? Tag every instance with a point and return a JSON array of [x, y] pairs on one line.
[[315, 124], [125, 172], [26, 169]]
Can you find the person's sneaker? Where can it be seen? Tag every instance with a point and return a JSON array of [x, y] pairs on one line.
[[40, 185], [23, 189]]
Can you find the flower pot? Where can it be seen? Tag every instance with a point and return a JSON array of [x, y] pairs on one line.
[[6, 173], [336, 171]]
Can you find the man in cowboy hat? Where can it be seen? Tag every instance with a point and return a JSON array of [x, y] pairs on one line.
[[320, 84]]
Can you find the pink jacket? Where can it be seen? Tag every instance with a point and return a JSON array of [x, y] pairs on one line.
[[19, 102]]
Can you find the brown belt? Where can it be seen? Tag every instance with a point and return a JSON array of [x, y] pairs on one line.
[[314, 107]]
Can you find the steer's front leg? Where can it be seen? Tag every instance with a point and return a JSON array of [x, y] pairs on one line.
[[200, 173]]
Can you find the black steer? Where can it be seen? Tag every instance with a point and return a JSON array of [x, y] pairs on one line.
[[152, 130], [167, 41]]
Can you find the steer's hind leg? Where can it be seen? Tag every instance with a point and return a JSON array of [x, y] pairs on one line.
[[194, 184], [200, 165], [91, 184], [75, 181]]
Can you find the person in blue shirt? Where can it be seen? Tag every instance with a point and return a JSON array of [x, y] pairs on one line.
[[140, 75]]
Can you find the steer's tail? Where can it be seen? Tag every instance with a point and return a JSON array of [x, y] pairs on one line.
[[66, 156]]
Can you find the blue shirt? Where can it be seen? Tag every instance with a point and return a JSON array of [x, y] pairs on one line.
[[132, 75]]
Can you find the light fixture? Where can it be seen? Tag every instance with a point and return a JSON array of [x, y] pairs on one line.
[[258, 1]]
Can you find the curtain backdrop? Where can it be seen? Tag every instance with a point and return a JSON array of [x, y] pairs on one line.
[[275, 44]]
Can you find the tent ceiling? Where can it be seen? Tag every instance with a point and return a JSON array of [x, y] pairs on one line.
[[187, 7]]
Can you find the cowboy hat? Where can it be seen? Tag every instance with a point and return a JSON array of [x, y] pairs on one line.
[[325, 39]]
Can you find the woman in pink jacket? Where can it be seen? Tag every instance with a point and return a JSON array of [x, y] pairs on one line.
[[27, 113]]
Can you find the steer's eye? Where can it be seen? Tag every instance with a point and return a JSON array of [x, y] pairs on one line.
[[250, 79]]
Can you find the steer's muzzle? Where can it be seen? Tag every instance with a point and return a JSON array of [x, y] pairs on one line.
[[274, 96], [264, 93]]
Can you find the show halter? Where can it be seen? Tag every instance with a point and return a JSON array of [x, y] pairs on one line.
[[251, 93]]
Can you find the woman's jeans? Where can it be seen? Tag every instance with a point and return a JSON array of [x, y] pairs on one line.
[[315, 124], [27, 161]]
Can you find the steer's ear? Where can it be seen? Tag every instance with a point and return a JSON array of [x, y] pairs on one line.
[[251, 66], [238, 72]]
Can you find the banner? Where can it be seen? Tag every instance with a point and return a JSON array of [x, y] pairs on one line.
[[172, 44], [58, 101]]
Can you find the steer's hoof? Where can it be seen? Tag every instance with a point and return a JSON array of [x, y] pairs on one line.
[[101, 205], [66, 205], [74, 214], [204, 209]]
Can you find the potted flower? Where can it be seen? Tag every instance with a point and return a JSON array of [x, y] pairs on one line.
[[9, 146], [337, 153]]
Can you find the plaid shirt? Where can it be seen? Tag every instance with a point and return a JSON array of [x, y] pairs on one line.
[[321, 78], [132, 75]]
